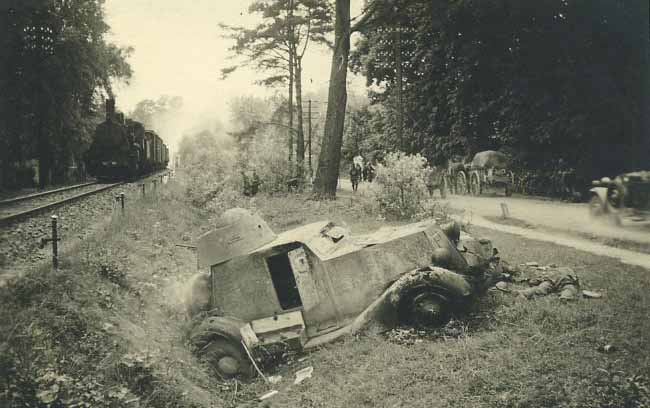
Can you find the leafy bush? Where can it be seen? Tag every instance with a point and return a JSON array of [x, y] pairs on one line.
[[268, 157], [209, 171], [400, 186]]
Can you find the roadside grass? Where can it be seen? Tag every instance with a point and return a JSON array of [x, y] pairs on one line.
[[108, 329]]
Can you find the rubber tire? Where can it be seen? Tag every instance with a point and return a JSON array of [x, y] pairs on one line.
[[226, 352], [406, 310]]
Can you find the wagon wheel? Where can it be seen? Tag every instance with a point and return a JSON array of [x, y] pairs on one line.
[[461, 183], [475, 184], [228, 359]]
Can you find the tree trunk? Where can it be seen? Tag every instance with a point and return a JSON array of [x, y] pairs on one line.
[[44, 150], [327, 173], [292, 67], [300, 139], [290, 136]]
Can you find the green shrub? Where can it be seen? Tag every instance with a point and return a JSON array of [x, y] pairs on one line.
[[400, 186], [209, 171], [268, 157]]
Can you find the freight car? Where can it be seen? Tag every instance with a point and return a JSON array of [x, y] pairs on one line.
[[123, 149]]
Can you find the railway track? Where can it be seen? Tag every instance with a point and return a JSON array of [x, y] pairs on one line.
[[20, 207]]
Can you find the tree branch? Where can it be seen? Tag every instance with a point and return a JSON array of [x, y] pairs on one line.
[[365, 17]]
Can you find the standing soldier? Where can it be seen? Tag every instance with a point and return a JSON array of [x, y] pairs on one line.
[[255, 183], [369, 172], [355, 173]]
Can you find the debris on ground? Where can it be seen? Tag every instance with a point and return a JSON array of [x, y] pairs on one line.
[[268, 395], [303, 374], [409, 336], [589, 294], [607, 348], [274, 379], [503, 286]]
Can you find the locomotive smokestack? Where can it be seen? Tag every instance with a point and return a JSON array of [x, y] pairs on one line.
[[110, 108]]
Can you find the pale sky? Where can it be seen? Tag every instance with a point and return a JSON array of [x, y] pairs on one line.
[[179, 51]]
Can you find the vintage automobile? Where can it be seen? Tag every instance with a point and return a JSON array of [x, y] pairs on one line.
[[316, 283], [625, 198], [489, 169]]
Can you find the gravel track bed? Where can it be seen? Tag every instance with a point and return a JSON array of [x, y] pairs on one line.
[[10, 194], [19, 241], [8, 209]]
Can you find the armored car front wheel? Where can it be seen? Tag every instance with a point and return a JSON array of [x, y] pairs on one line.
[[424, 307]]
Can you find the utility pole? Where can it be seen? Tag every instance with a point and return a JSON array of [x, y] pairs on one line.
[[309, 140], [397, 51]]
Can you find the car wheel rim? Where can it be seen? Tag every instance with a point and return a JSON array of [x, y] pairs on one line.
[[228, 365], [427, 309]]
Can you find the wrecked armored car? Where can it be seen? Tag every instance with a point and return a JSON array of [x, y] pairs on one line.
[[315, 283]]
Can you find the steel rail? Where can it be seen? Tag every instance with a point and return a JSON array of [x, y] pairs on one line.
[[44, 193], [44, 207]]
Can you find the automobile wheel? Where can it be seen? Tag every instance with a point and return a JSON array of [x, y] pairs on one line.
[[424, 307], [461, 183], [228, 359], [596, 207]]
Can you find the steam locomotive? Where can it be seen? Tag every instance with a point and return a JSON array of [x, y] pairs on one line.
[[122, 149]]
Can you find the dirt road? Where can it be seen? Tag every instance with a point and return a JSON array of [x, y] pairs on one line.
[[553, 215], [566, 224]]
